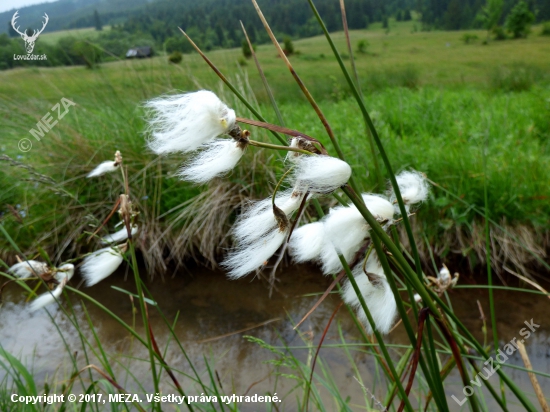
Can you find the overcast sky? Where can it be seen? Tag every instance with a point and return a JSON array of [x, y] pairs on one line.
[[6, 5]]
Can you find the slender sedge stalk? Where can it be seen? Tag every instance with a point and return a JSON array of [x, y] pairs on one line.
[[144, 317], [370, 125], [277, 147]]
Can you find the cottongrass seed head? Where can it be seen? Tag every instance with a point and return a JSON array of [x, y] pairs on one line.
[[321, 174], [119, 236], [184, 122], [377, 295], [307, 242], [29, 268], [413, 186], [216, 159], [101, 264], [105, 167], [63, 275]]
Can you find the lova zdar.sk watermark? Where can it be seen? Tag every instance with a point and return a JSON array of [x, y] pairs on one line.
[[46, 124], [29, 40], [501, 357]]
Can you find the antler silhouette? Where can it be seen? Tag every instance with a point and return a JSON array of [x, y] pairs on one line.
[[34, 33], [14, 22]]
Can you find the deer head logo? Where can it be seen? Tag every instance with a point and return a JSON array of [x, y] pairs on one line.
[[29, 40]]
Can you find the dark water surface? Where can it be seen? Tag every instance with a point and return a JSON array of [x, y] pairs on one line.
[[211, 306]]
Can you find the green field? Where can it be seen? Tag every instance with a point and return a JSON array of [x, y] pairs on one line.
[[437, 102], [85, 33]]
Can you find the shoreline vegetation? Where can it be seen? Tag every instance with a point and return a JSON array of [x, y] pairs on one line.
[[432, 118]]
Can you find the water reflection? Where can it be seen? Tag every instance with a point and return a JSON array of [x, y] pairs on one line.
[[209, 306]]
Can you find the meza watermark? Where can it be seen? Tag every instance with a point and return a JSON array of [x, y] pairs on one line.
[[46, 124]]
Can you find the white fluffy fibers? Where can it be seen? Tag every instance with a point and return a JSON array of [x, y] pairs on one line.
[[218, 158], [183, 122], [64, 274], [345, 231], [105, 167], [378, 296], [258, 219], [321, 174], [28, 269], [100, 264], [119, 236], [46, 298], [413, 186], [249, 257], [307, 242], [380, 207], [444, 275]]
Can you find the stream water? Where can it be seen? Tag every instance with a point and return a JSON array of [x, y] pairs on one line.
[[210, 309]]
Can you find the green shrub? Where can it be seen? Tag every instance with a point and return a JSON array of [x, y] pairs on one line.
[[288, 46], [362, 46], [246, 49], [242, 61], [468, 38], [175, 57], [519, 20], [545, 29]]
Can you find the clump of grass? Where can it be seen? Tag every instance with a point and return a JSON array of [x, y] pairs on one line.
[[407, 76], [516, 77]]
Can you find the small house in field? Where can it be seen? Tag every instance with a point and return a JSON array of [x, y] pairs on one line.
[[139, 52]]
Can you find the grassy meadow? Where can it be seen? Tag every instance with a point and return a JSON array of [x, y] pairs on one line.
[[440, 105]]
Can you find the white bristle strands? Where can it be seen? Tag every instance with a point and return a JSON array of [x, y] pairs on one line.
[[249, 257], [100, 264], [28, 269], [380, 207], [182, 123], [105, 167], [321, 174], [444, 275], [217, 159], [378, 296], [307, 242], [258, 219], [413, 186], [46, 298], [64, 274], [119, 236], [345, 231]]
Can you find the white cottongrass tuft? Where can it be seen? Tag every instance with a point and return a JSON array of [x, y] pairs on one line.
[[258, 219], [29, 268], [413, 186], [377, 295], [105, 167], [307, 242], [346, 231], [100, 264], [217, 159], [248, 257], [321, 174], [119, 236], [444, 275], [65, 273], [183, 122]]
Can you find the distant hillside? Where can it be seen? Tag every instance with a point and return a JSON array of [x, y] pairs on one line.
[[65, 14]]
